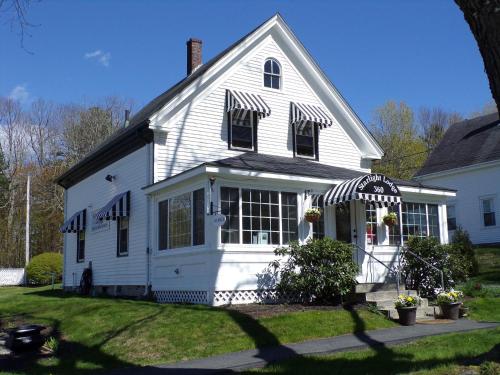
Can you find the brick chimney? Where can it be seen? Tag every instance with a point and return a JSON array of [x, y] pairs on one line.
[[193, 54]]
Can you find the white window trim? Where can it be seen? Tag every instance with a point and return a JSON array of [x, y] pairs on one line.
[[495, 209], [263, 71]]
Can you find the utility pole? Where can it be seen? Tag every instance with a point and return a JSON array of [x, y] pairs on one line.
[[28, 199]]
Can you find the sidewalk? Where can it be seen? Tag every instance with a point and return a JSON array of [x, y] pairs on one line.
[[233, 362]]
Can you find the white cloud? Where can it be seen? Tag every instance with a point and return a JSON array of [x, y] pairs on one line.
[[101, 57], [19, 93]]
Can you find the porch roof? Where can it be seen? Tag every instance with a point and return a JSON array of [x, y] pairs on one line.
[[256, 162]]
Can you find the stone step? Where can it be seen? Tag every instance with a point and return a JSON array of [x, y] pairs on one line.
[[386, 295], [374, 287], [429, 312], [389, 304]]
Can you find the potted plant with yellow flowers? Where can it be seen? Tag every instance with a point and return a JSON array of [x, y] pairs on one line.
[[450, 303], [390, 219], [312, 215], [407, 309]]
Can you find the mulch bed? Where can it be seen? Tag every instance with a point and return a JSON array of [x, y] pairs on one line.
[[257, 311]]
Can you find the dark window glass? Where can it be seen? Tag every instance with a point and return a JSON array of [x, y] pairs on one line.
[[163, 225], [272, 74], [179, 221], [258, 219], [395, 230], [199, 217], [80, 246], [433, 217], [451, 217], [343, 222], [414, 220], [319, 226], [371, 224], [122, 224], [489, 219], [242, 131], [304, 139], [289, 218], [230, 231]]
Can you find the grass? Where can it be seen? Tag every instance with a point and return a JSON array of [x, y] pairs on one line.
[[105, 333], [452, 354]]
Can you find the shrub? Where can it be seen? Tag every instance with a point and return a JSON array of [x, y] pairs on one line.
[[42, 266], [420, 276], [462, 245], [318, 271]]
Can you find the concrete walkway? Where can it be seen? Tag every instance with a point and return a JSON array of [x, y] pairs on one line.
[[234, 362]]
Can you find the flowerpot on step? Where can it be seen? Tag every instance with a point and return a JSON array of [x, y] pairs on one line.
[[407, 315], [450, 310]]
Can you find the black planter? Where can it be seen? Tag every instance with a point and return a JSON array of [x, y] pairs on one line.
[[25, 338], [407, 315], [450, 310]]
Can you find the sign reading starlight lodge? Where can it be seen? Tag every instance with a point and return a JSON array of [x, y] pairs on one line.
[[372, 188]]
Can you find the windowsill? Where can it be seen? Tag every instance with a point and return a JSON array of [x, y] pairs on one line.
[[280, 90], [122, 255], [490, 227], [305, 157], [80, 261], [242, 149], [248, 247]]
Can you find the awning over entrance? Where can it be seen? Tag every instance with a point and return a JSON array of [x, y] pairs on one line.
[[119, 206], [373, 188], [301, 113], [75, 223], [237, 100]]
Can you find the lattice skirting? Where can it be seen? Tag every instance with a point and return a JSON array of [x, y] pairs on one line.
[[181, 296], [11, 276]]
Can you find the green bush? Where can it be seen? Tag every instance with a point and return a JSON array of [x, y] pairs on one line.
[[462, 245], [319, 271], [419, 276], [41, 267]]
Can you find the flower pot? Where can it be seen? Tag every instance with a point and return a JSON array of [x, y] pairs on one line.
[[389, 222], [407, 315], [450, 310], [312, 218], [463, 312]]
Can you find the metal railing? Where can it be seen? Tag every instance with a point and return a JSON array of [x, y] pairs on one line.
[[397, 271]]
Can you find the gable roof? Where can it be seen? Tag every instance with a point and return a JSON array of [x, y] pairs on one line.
[[465, 143], [139, 123]]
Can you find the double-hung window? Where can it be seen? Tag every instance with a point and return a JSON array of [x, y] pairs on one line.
[[451, 216], [318, 227], [305, 139], [395, 230], [371, 224], [243, 130], [258, 216], [80, 246], [488, 212], [122, 225], [181, 220]]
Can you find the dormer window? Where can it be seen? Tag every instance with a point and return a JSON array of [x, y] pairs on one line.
[[272, 74], [305, 140]]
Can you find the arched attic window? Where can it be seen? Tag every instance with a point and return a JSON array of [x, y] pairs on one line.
[[272, 74]]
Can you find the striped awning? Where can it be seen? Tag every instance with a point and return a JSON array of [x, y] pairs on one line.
[[302, 113], [75, 223], [237, 100], [119, 206], [372, 188]]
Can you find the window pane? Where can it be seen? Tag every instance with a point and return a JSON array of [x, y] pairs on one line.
[[241, 129], [163, 225], [179, 223], [267, 66], [259, 222], [414, 220], [275, 82], [395, 230], [267, 80], [230, 208], [433, 220], [489, 219], [289, 220], [276, 68], [80, 246], [319, 226], [371, 224], [199, 217], [122, 225], [304, 139]]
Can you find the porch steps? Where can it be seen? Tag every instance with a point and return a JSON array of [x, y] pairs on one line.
[[384, 296]]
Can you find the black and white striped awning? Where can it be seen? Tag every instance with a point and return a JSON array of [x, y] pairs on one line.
[[302, 113], [372, 188], [75, 223], [119, 206], [242, 101]]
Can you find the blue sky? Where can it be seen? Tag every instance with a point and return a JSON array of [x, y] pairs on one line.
[[420, 52]]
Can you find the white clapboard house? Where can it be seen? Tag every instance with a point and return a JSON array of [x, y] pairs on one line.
[[189, 199]]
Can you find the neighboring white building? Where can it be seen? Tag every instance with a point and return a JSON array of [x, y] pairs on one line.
[[255, 136], [468, 160]]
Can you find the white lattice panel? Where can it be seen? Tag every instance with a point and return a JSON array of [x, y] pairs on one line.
[[235, 297], [181, 296], [11, 276]]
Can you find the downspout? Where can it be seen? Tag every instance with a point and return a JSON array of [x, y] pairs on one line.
[[149, 174], [64, 240]]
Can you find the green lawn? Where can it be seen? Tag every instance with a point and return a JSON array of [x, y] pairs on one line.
[[441, 355], [104, 333]]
